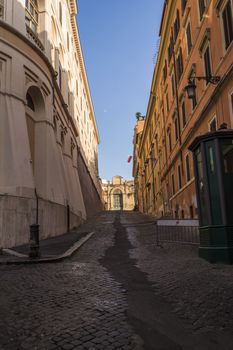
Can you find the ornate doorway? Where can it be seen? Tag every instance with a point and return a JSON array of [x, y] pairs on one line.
[[117, 200]]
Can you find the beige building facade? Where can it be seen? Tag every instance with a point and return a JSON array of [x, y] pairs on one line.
[[48, 133], [118, 194], [196, 47]]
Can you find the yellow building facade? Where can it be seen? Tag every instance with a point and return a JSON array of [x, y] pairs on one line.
[[196, 47], [118, 194]]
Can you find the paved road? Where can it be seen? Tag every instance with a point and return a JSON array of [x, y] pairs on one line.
[[120, 291]]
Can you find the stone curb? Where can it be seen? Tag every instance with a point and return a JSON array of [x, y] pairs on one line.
[[57, 258]]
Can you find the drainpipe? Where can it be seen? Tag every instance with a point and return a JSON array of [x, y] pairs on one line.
[[37, 207], [68, 217]]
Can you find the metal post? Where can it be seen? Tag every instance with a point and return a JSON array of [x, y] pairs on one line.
[[34, 246], [68, 217]]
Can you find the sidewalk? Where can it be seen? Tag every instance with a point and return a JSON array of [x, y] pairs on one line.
[[56, 248], [51, 249]]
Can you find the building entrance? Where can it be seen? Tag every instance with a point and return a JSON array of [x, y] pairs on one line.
[[117, 200]]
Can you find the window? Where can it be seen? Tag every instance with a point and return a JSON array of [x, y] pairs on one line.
[[179, 65], [60, 13], [188, 176], [173, 85], [227, 151], [213, 124], [176, 128], [169, 139], [189, 37], [1, 9], [207, 63], [173, 185], [167, 102], [170, 50], [227, 23], [179, 177], [183, 113], [31, 16], [183, 5], [202, 7], [176, 26], [165, 71]]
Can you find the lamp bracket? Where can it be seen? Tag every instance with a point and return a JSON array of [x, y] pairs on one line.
[[213, 79]]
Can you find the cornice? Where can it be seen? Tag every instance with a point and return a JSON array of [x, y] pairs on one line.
[[74, 26], [73, 7]]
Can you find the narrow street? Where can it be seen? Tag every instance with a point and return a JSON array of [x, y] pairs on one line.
[[119, 291]]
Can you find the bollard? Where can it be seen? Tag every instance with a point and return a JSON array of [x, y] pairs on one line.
[[34, 246]]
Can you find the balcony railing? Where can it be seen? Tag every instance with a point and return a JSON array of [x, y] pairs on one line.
[[33, 37]]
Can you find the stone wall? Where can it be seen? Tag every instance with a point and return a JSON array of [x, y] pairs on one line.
[[42, 114], [17, 214], [91, 197]]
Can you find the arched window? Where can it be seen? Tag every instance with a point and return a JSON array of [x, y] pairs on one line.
[[32, 14]]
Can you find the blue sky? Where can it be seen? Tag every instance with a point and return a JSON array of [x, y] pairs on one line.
[[119, 39]]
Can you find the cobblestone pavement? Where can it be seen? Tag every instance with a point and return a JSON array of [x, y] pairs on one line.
[[71, 305], [198, 292], [93, 301]]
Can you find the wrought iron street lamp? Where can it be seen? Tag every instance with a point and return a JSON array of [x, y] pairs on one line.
[[191, 87]]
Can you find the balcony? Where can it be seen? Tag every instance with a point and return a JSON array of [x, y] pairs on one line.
[[33, 37]]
